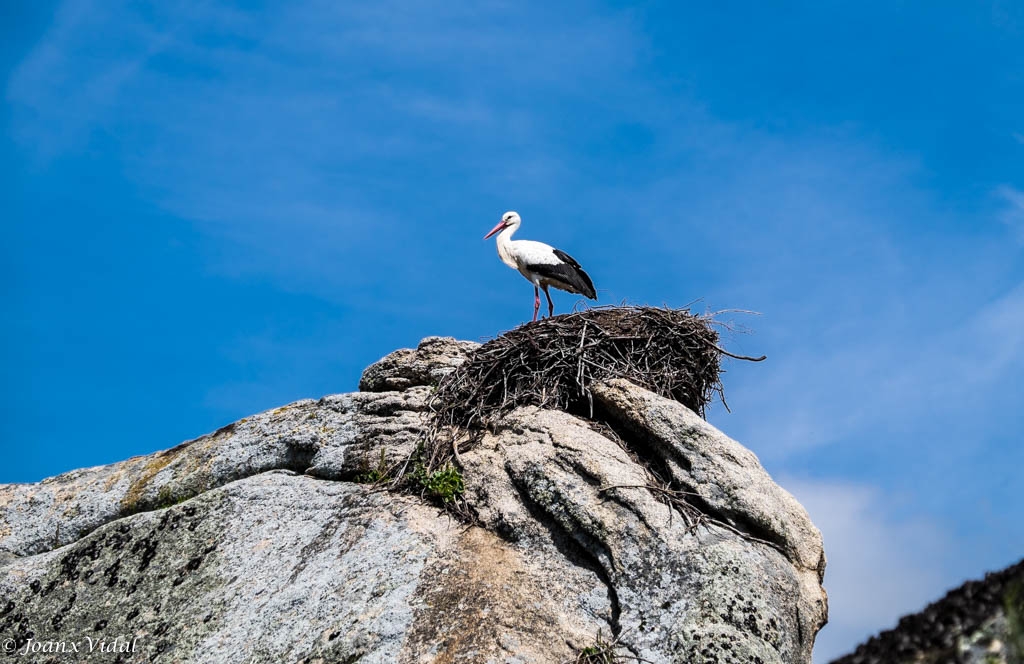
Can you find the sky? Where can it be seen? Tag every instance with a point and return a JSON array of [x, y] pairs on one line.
[[213, 209]]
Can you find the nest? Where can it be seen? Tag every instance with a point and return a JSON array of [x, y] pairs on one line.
[[552, 362]]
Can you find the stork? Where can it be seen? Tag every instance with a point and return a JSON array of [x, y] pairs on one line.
[[541, 264]]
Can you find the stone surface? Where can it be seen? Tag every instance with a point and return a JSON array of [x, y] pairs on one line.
[[726, 476], [679, 595], [336, 437], [281, 568], [981, 622], [255, 543], [432, 360]]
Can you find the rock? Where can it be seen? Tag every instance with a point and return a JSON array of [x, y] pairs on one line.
[[257, 544], [981, 622], [726, 476], [336, 437], [431, 361], [279, 567], [545, 477]]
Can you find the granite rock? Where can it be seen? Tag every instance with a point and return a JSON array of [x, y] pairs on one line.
[[258, 543]]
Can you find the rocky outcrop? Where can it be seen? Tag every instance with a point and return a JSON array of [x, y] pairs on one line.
[[331, 438], [256, 542], [432, 360], [981, 622]]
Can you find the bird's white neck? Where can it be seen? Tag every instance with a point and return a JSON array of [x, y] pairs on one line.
[[505, 247]]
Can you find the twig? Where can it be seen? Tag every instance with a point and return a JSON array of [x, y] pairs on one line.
[[741, 357]]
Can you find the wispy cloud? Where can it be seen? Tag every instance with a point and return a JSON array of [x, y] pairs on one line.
[[56, 107], [299, 172], [279, 160], [889, 379], [315, 146], [1013, 211], [867, 321], [879, 566]]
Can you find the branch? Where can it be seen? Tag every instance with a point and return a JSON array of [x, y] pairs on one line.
[[741, 357]]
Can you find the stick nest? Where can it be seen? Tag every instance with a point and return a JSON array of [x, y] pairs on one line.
[[552, 362]]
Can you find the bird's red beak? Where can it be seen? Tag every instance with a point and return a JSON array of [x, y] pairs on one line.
[[501, 224]]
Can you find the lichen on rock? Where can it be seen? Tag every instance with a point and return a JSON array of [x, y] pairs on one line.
[[264, 542]]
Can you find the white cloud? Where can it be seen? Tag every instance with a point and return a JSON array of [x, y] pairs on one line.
[[292, 166], [280, 162], [838, 375], [55, 106], [879, 567], [1013, 210]]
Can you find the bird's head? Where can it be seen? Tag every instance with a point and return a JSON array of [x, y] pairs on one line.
[[509, 219]]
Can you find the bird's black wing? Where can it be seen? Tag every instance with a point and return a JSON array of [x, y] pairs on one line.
[[569, 275]]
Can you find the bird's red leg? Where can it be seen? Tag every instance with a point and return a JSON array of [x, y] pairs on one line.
[[536, 302], [551, 305]]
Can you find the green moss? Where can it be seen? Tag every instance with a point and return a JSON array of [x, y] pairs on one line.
[[602, 652], [1013, 604], [374, 474], [445, 484], [166, 497], [133, 500]]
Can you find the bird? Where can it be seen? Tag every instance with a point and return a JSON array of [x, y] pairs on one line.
[[540, 263]]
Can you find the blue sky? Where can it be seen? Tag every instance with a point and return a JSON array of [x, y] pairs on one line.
[[210, 210]]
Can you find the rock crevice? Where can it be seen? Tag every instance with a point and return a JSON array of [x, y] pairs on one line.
[[229, 548]]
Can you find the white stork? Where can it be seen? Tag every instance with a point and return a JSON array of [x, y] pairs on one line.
[[541, 264]]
